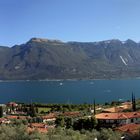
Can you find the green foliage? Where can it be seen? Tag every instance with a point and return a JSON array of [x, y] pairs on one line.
[[60, 121], [1, 111], [13, 133], [35, 120], [32, 110], [85, 123], [115, 103], [46, 108], [76, 124], [69, 122], [43, 110], [94, 122], [19, 132], [108, 134], [69, 134]]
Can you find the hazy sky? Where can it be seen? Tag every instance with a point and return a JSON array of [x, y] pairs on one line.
[[69, 20]]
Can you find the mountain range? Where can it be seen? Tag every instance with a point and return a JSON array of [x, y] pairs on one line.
[[41, 59]]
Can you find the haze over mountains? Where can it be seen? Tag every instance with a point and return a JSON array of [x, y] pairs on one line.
[[53, 59]]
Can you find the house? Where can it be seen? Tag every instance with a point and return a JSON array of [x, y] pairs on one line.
[[4, 121], [12, 104], [131, 128], [117, 119], [37, 125], [125, 105], [12, 107], [72, 114], [42, 128], [49, 117], [120, 108], [15, 117], [112, 110]]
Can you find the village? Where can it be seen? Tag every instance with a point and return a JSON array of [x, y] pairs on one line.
[[123, 117]]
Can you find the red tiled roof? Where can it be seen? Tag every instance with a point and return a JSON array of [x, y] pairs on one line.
[[120, 108], [127, 103], [129, 128], [12, 104], [113, 109], [12, 117], [22, 117], [41, 130], [71, 113], [37, 125], [49, 116], [133, 114], [121, 115], [15, 117], [2, 119]]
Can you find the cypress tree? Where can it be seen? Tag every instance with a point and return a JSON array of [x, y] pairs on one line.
[[1, 111], [133, 102], [94, 108], [33, 111]]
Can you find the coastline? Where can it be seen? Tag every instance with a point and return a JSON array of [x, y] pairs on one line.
[[82, 79]]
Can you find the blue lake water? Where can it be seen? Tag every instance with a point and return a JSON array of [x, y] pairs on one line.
[[69, 91]]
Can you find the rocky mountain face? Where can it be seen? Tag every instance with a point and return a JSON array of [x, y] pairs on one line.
[[52, 59]]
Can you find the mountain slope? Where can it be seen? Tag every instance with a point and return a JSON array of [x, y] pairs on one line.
[[53, 59]]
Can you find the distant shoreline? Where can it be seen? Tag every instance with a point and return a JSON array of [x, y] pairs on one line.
[[57, 80]]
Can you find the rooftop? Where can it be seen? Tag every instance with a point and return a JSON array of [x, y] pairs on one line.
[[129, 128], [119, 115]]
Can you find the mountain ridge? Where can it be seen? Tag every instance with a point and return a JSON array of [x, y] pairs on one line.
[[40, 59]]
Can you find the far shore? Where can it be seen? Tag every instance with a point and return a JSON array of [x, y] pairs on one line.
[[82, 79]]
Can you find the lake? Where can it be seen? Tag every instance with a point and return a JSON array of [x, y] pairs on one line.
[[69, 91]]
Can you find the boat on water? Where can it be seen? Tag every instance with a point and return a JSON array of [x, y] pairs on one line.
[[60, 84], [91, 83], [107, 91]]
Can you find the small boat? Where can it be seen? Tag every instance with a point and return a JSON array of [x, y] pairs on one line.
[[107, 91], [91, 83], [120, 100], [60, 84]]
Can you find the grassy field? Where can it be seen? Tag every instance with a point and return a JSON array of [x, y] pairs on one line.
[[43, 109]]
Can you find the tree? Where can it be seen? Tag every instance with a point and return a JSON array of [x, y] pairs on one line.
[[60, 121], [69, 122], [94, 122], [61, 109], [94, 108], [133, 102], [1, 111], [33, 112], [69, 107], [108, 134]]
